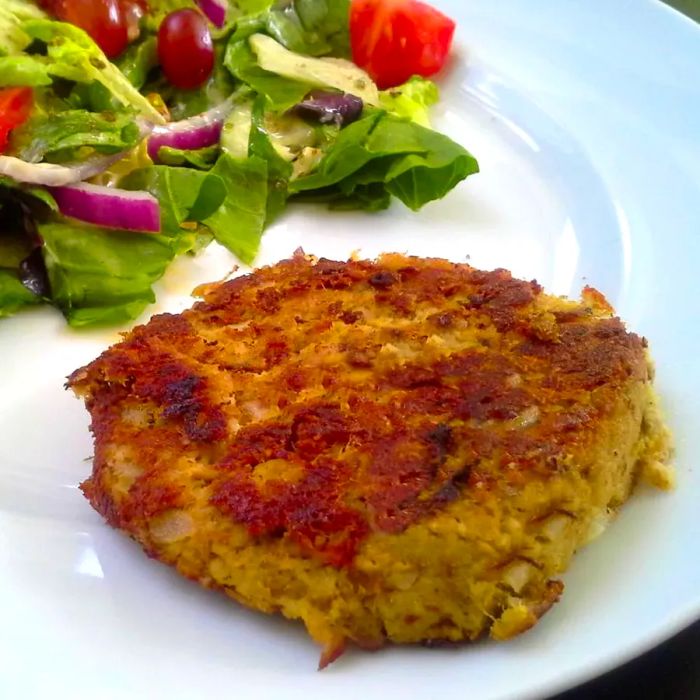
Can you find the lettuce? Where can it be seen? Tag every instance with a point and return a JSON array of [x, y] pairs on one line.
[[138, 60], [99, 276], [73, 55], [334, 73], [159, 9], [201, 158], [57, 136], [281, 93], [279, 171], [13, 294], [230, 200], [185, 195], [239, 222], [235, 134], [385, 152], [23, 71], [308, 27], [244, 8], [21, 284], [411, 100], [13, 39]]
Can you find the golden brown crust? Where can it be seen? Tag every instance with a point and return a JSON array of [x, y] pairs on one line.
[[378, 445], [325, 405]]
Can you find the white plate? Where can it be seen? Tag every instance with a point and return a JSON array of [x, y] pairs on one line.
[[585, 119]]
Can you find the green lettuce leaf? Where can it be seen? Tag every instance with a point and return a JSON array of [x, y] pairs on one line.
[[343, 158], [138, 60], [241, 8], [13, 39], [23, 71], [57, 136], [372, 197], [417, 178], [13, 294], [18, 206], [309, 27], [413, 163], [37, 195], [325, 72], [202, 158], [281, 93], [411, 100], [239, 222], [158, 10], [279, 171], [329, 19], [73, 55], [235, 134], [99, 276], [185, 195]]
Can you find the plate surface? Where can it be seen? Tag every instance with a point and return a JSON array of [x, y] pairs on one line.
[[589, 145]]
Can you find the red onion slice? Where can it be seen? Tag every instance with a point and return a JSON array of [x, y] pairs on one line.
[[190, 134], [109, 207], [215, 10]]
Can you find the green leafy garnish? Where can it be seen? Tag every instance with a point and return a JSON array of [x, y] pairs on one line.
[[73, 55], [309, 27], [13, 38], [280, 92], [138, 60], [412, 100], [57, 136], [408, 161], [185, 195], [100, 276], [23, 71], [201, 158], [239, 222], [13, 294]]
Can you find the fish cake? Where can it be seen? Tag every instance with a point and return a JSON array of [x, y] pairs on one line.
[[403, 450]]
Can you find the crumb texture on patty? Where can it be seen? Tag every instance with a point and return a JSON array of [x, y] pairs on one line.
[[404, 450]]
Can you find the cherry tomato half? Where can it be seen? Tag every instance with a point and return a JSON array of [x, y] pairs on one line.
[[395, 39], [15, 107], [185, 49], [104, 20]]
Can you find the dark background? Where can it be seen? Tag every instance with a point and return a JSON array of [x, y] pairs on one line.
[[690, 7], [671, 671]]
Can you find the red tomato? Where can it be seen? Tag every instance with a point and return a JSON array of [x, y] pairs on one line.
[[104, 20], [395, 39], [185, 49], [15, 107]]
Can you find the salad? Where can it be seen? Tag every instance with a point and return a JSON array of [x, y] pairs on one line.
[[132, 132]]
